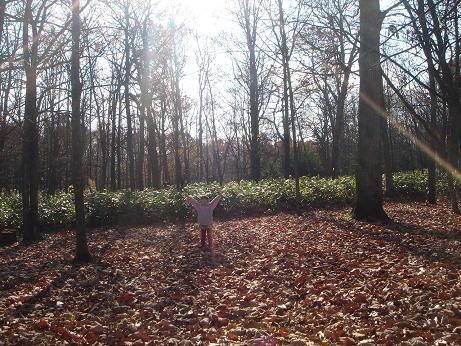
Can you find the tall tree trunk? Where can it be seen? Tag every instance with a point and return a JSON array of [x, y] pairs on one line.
[[140, 170], [113, 144], [185, 146], [295, 142], [179, 113], [3, 125], [129, 133], [152, 149], [82, 253], [202, 85], [390, 191], [179, 181], [286, 108], [2, 108], [119, 144], [53, 149], [30, 131], [164, 156], [178, 176], [215, 141], [250, 31], [432, 179], [338, 128], [143, 68], [289, 106], [453, 150], [369, 199]]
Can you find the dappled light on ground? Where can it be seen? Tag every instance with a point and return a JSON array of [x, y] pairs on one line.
[[319, 277]]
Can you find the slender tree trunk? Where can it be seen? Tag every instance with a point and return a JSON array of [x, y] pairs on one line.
[[119, 144], [3, 108], [82, 253], [289, 106], [129, 134], [250, 32], [286, 116], [52, 150], [369, 199], [390, 191], [152, 149], [164, 156], [180, 120], [200, 128], [432, 180], [453, 150], [30, 131], [338, 128], [113, 143], [185, 146], [295, 142], [140, 170], [3, 127], [179, 179], [215, 141]]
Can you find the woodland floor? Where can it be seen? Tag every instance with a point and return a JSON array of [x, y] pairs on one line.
[[320, 278]]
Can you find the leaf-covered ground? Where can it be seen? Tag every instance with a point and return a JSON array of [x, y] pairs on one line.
[[279, 279]]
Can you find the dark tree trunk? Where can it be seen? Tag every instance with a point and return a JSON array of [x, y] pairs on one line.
[[180, 122], [82, 253], [431, 179], [140, 169], [143, 68], [30, 131], [295, 142], [338, 128], [369, 194], [202, 85], [119, 145], [390, 191], [250, 28], [176, 117], [52, 150], [113, 144], [2, 108], [214, 134], [129, 129], [185, 146], [152, 149], [285, 106], [164, 156], [453, 150]]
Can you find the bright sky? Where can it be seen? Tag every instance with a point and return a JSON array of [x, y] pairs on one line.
[[207, 18]]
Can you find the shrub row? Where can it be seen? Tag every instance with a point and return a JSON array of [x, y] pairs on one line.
[[168, 205]]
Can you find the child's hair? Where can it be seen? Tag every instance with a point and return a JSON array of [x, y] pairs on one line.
[[204, 197]]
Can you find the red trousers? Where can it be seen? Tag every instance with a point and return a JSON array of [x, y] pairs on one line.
[[206, 233]]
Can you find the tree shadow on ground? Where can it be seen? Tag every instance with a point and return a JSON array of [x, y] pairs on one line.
[[67, 268], [396, 232]]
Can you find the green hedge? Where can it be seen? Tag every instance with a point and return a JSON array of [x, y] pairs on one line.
[[168, 205]]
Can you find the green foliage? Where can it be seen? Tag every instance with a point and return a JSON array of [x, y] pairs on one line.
[[107, 208], [10, 210], [55, 211], [413, 184]]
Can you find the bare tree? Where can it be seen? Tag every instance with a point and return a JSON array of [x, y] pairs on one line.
[[82, 253]]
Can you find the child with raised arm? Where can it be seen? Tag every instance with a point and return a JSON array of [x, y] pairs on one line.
[[204, 210]]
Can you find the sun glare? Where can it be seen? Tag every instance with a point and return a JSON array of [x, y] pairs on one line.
[[203, 16]]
